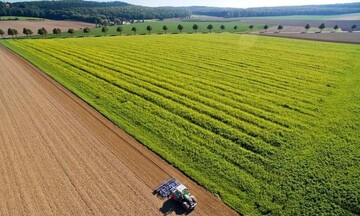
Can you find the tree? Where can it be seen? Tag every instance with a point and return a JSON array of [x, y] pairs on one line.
[[280, 27], [2, 33], [266, 27], [336, 27], [353, 27], [87, 31], [26, 32], [195, 27], [165, 28], [11, 32], [44, 31], [235, 27], [251, 27], [210, 27], [41, 32], [119, 30], [222, 27], [15, 32], [307, 27], [180, 28], [321, 27], [104, 30], [134, 30], [57, 32], [149, 28], [117, 21], [30, 32], [71, 31]]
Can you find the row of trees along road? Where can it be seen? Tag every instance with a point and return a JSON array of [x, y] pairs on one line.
[[43, 32], [307, 27]]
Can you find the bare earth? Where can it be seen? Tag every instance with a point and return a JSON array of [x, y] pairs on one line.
[[49, 25], [353, 38], [58, 156]]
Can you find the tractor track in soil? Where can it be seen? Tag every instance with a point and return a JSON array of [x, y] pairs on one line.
[[60, 156]]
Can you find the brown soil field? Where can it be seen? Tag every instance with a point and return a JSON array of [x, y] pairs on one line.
[[59, 156], [49, 25], [353, 38]]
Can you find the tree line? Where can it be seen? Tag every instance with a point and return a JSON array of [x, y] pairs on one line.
[[331, 9], [88, 11], [307, 27], [56, 31]]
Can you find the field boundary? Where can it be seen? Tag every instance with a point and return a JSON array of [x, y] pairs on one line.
[[308, 39]]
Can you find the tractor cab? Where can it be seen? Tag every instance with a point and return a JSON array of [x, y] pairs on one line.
[[180, 192]]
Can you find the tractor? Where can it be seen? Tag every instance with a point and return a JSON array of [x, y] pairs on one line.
[[173, 189]]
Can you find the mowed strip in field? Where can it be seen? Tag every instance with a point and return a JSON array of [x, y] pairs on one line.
[[58, 156], [248, 117]]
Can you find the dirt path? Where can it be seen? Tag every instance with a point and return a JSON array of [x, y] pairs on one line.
[[59, 156]]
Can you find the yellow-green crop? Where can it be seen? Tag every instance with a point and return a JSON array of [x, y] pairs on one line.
[[270, 125]]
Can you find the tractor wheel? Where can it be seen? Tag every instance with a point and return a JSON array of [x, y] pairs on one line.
[[186, 205], [194, 199]]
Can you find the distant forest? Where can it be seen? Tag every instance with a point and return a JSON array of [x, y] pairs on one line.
[[88, 11], [331, 9]]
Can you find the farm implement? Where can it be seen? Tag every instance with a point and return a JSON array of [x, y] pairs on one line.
[[173, 189]]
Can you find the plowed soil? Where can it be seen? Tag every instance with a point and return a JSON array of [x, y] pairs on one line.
[[58, 156], [49, 25]]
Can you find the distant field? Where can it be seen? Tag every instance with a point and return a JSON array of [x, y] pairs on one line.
[[271, 125], [355, 16], [157, 28], [345, 25], [330, 37], [48, 24], [7, 18]]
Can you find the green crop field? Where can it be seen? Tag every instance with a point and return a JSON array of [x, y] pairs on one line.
[[5, 18], [270, 125], [157, 28]]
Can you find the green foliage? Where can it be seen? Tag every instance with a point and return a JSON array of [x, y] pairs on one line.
[[165, 28], [119, 29], [134, 30], [87, 31], [27, 32], [12, 32], [180, 28], [42, 31], [2, 33], [71, 31], [266, 27], [57, 31], [195, 27], [105, 29], [267, 124], [149, 28], [90, 11], [222, 27], [330, 9], [210, 27]]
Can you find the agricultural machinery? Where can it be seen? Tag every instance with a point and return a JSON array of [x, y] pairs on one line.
[[178, 192]]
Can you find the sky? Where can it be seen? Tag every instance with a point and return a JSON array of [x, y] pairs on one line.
[[233, 3]]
